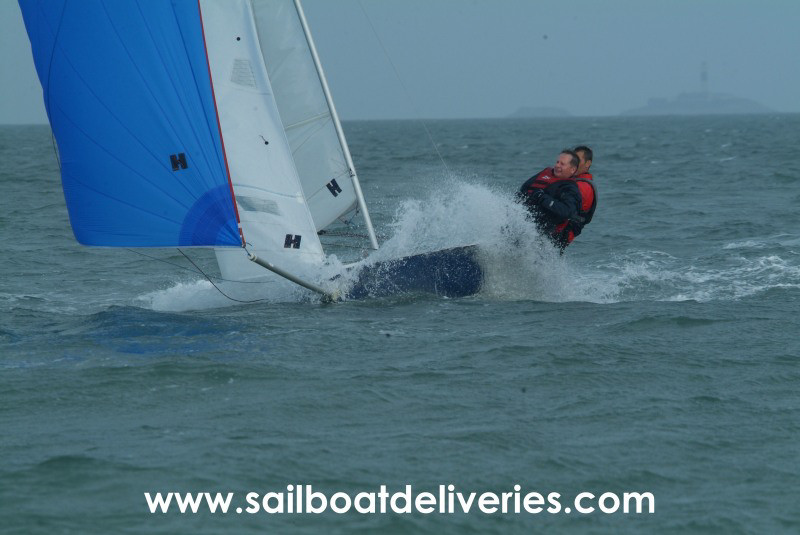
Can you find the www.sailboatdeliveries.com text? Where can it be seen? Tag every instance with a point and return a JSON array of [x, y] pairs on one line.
[[303, 499]]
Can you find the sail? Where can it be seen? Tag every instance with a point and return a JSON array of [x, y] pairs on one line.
[[129, 98], [304, 110], [272, 206]]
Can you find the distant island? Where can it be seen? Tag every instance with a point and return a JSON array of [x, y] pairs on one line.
[[527, 112], [700, 104]]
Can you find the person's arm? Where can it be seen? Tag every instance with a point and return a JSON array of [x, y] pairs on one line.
[[563, 207]]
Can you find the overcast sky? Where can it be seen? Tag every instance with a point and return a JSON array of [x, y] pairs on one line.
[[486, 58]]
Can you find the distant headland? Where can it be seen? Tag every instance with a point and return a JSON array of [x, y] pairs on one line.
[[700, 104]]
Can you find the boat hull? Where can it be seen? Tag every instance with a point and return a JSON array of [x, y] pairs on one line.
[[451, 272]]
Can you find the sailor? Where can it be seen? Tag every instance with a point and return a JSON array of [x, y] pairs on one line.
[[560, 200], [585, 155], [585, 184]]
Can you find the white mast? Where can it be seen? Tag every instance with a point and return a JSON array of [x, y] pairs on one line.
[[337, 124]]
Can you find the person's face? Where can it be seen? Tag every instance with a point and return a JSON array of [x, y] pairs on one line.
[[563, 167], [584, 164]]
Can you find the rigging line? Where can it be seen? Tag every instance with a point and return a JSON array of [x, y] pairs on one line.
[[164, 261], [333, 233], [197, 272], [403, 85], [333, 245], [215, 286], [349, 222], [55, 150]]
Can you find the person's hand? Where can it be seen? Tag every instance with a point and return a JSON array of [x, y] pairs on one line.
[[535, 196]]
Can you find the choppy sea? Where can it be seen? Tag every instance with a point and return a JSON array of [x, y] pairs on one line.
[[660, 354]]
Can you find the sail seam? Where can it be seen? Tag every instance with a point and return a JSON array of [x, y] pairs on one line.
[[323, 115]]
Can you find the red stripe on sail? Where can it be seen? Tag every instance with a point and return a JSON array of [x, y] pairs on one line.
[[219, 125]]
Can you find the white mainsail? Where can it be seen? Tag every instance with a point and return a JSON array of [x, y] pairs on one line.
[[272, 206], [306, 115], [272, 66]]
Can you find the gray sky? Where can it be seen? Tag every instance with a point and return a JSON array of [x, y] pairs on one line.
[[486, 58]]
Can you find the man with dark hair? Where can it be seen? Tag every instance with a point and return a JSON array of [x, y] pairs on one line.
[[585, 156], [586, 188], [558, 202]]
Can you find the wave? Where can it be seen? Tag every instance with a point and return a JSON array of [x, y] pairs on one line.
[[655, 276]]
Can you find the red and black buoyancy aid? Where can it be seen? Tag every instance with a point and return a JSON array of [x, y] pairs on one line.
[[563, 231], [588, 193]]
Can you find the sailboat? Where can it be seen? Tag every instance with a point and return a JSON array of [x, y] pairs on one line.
[[210, 123]]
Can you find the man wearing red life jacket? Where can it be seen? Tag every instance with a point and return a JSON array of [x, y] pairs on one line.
[[558, 201], [585, 185]]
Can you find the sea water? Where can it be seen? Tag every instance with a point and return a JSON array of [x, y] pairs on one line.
[[659, 354]]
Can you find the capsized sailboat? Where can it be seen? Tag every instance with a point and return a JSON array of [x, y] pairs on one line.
[[209, 123]]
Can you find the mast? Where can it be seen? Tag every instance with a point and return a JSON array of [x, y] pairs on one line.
[[337, 124]]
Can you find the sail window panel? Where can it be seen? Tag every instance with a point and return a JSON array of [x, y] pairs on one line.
[[242, 73], [255, 204]]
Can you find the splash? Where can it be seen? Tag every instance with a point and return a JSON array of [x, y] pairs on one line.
[[202, 295], [517, 262]]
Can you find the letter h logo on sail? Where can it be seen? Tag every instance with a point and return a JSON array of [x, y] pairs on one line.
[[178, 161], [292, 241], [334, 188]]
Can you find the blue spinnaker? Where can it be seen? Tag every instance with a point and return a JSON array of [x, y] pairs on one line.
[[128, 93]]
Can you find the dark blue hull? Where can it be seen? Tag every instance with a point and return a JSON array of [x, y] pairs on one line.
[[450, 272]]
